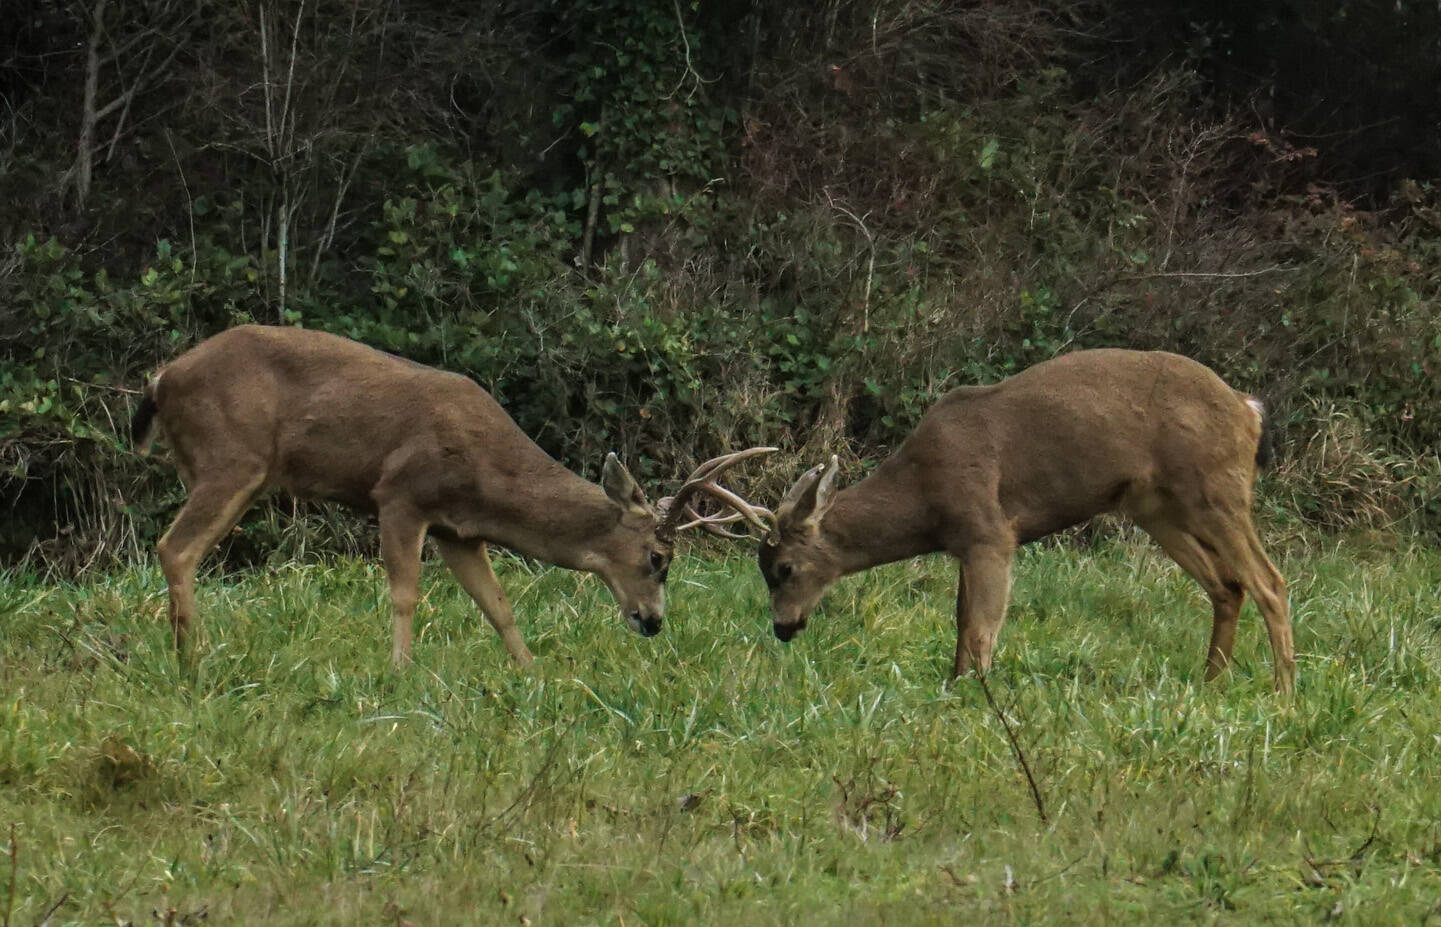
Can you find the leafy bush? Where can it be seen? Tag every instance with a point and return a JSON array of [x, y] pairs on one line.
[[644, 235]]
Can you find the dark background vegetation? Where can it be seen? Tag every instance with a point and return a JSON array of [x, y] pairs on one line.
[[672, 228]]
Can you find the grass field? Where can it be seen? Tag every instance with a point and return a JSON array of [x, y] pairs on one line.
[[713, 775]]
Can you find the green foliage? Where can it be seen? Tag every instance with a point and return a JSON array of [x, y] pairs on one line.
[[711, 775], [638, 97], [667, 229]]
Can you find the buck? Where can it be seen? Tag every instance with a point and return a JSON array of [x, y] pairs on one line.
[[428, 452], [1155, 436]]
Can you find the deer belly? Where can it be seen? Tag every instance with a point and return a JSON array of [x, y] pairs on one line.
[[329, 479], [1039, 516]]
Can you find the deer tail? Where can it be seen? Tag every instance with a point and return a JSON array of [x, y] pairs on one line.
[[143, 424], [1266, 446]]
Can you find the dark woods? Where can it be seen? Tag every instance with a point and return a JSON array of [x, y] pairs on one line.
[[665, 228]]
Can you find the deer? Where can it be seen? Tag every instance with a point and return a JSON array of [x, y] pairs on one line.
[[1154, 436], [427, 452]]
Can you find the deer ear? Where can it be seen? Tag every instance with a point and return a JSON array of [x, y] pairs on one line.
[[811, 497], [621, 487]]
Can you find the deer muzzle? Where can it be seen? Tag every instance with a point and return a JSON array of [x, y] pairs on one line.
[[786, 631], [647, 625]]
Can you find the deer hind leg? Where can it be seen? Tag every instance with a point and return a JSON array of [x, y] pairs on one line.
[[1234, 539], [402, 535], [983, 594], [1268, 589], [211, 510], [963, 656], [471, 565], [1214, 576]]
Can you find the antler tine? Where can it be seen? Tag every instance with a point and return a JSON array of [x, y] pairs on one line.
[[697, 519], [703, 480], [719, 532], [759, 516], [711, 524], [717, 465]]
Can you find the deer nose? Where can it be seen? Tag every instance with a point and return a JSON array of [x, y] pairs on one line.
[[648, 625], [787, 631]]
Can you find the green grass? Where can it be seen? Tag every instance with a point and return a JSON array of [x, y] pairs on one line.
[[713, 775]]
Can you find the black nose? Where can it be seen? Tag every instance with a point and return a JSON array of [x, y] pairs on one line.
[[787, 631], [649, 626]]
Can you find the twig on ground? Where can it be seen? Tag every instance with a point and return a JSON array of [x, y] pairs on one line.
[[50, 911], [1059, 872], [14, 868], [527, 794], [1015, 745]]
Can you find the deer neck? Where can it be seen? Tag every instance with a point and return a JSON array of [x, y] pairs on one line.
[[878, 520], [551, 514]]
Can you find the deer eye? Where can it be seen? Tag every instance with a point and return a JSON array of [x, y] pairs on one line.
[[782, 572], [657, 561]]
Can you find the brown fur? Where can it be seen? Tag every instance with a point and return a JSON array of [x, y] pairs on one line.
[[1155, 436], [319, 416]]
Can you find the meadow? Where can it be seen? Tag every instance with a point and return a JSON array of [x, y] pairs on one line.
[[713, 775]]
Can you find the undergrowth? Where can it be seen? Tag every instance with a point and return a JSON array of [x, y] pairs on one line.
[[713, 775]]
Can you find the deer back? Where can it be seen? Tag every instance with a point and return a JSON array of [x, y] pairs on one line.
[[1074, 436], [331, 418]]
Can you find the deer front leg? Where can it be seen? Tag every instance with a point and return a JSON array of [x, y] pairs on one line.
[[471, 566], [401, 537], [983, 594]]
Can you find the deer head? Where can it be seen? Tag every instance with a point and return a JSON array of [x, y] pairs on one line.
[[634, 556], [631, 558], [796, 559]]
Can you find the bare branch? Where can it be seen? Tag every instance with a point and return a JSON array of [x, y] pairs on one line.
[[14, 869], [1015, 745], [85, 144], [860, 223], [92, 111], [189, 201], [328, 237]]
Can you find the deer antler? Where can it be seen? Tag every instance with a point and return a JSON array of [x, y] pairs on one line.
[[678, 512]]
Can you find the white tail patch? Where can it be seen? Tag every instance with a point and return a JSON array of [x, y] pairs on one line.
[[1256, 406]]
